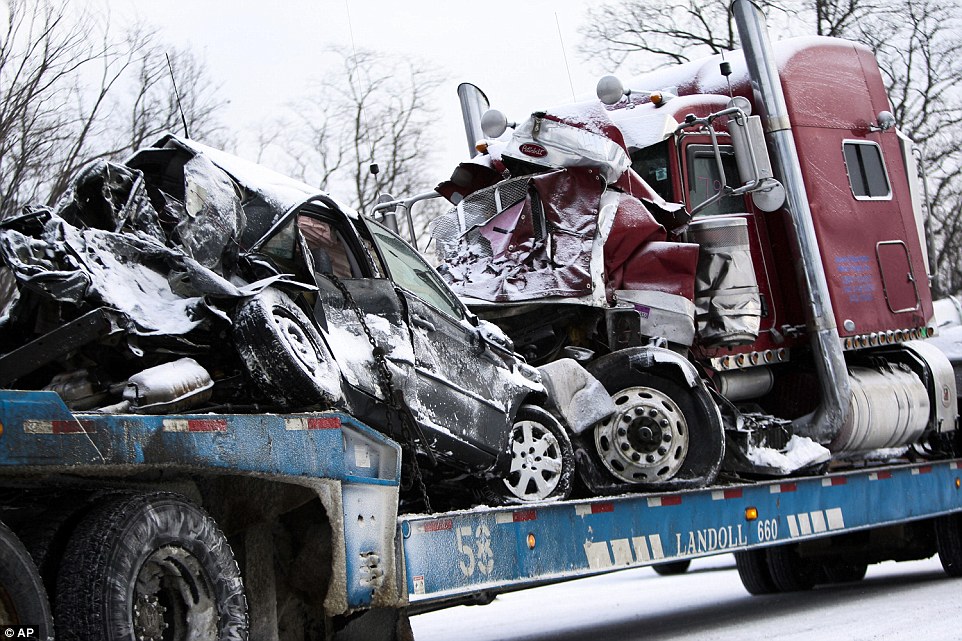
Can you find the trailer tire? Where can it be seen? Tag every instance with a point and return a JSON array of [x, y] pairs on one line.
[[284, 352], [146, 566], [790, 573], [541, 455], [23, 599], [752, 566], [663, 435], [948, 540], [672, 567]]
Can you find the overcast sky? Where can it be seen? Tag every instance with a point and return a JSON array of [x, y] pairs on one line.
[[262, 52]]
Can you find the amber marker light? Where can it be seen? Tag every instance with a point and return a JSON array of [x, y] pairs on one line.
[[531, 541], [751, 513], [481, 146], [958, 482]]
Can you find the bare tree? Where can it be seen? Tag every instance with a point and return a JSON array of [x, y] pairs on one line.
[[917, 43], [371, 110], [71, 92]]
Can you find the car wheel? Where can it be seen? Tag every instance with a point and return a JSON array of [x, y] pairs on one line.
[[661, 433], [283, 351], [23, 599], [149, 566], [542, 459]]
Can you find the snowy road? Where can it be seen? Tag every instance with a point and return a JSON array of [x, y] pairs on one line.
[[895, 601]]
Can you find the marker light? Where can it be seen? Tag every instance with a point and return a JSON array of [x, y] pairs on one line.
[[751, 513], [481, 147], [958, 482], [531, 541]]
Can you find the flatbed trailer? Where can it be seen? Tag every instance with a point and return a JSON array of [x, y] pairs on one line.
[[313, 499]]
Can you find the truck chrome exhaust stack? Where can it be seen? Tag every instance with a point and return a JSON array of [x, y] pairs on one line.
[[473, 104], [824, 424]]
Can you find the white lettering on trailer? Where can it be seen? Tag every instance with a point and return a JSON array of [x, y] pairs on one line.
[[808, 522], [477, 555], [710, 540]]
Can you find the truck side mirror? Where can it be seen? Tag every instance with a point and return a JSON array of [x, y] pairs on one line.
[[754, 163]]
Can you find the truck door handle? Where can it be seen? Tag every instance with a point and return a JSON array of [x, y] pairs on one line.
[[423, 323]]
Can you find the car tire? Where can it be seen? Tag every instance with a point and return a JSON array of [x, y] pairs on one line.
[[149, 566], [542, 459], [23, 599], [662, 434], [284, 353]]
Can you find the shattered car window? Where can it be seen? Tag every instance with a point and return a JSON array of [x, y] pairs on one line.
[[326, 246], [414, 274]]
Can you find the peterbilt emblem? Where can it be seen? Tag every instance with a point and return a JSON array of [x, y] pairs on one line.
[[533, 150]]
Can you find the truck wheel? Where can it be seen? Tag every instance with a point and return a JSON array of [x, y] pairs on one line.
[[790, 573], [283, 351], [149, 566], [23, 599], [948, 539], [542, 459], [671, 568], [661, 433], [752, 566]]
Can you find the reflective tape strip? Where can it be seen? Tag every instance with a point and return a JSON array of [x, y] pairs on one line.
[[818, 521], [925, 469], [519, 516], [834, 481], [664, 501], [724, 495], [879, 476], [319, 423], [792, 526], [195, 425], [782, 488], [441, 525], [953, 466], [585, 509], [59, 427]]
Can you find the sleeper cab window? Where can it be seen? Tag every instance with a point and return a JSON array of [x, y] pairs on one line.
[[866, 170]]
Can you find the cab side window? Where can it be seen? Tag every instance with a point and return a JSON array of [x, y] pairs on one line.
[[866, 170]]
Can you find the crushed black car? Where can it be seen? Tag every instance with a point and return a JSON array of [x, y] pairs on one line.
[[186, 279]]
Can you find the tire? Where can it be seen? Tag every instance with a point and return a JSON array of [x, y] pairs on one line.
[[752, 566], [542, 459], [662, 434], [149, 566], [948, 539], [671, 568], [790, 573], [284, 352], [23, 599]]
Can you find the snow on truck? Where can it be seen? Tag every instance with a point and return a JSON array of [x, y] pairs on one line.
[[732, 247], [233, 490]]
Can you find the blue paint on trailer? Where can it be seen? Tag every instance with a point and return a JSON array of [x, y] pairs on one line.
[[497, 549]]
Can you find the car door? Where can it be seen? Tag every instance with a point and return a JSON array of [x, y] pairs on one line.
[[463, 385]]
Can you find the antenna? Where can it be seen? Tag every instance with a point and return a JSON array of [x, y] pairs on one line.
[[726, 70], [180, 107], [564, 54]]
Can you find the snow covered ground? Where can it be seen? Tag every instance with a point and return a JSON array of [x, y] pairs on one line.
[[895, 601]]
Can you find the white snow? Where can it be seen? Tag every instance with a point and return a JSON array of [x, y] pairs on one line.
[[894, 602], [799, 452]]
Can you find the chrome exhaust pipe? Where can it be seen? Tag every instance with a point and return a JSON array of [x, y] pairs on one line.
[[473, 104], [824, 424]]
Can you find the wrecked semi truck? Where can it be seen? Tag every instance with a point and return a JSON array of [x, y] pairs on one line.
[[733, 247]]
